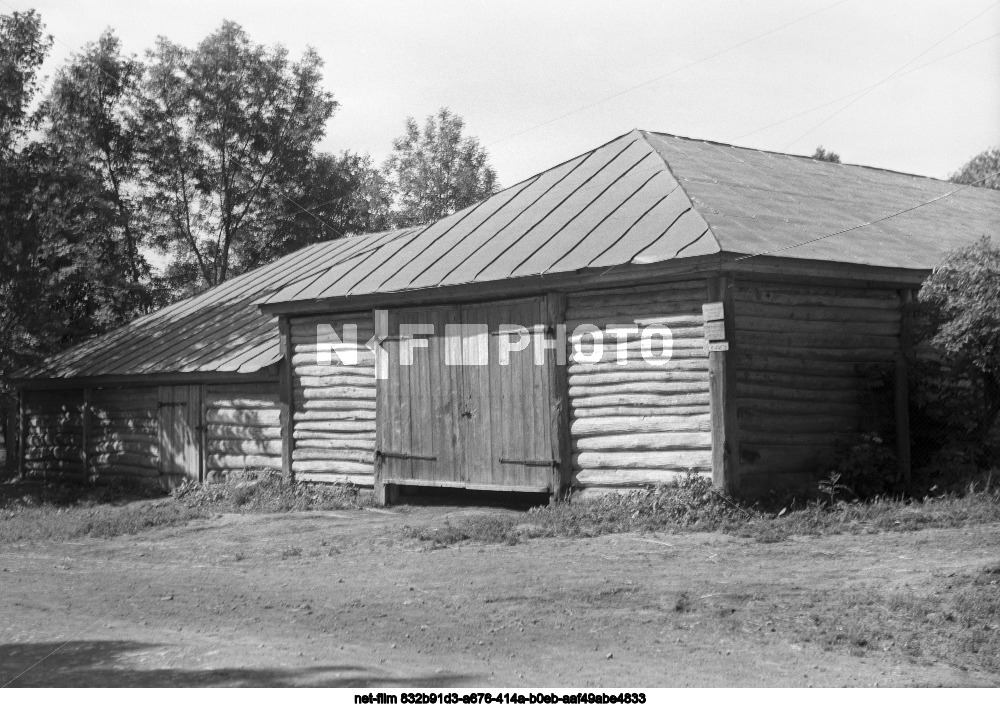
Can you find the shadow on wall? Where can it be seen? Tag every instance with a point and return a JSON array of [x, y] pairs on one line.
[[116, 664]]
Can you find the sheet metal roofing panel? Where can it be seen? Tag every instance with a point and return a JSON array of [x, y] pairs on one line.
[[221, 329], [796, 199]]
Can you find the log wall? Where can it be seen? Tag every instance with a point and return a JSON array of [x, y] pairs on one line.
[[242, 428], [804, 355], [333, 419], [122, 438], [639, 424], [53, 448]]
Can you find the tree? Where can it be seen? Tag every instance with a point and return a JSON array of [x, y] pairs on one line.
[[437, 171], [964, 292], [231, 126], [91, 118], [983, 170], [825, 156], [24, 48]]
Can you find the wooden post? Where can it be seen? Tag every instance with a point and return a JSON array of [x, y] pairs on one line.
[[902, 387], [22, 430], [562, 453], [86, 416], [722, 391], [286, 398]]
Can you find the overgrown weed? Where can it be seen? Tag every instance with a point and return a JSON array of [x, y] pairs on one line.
[[268, 492], [691, 504]]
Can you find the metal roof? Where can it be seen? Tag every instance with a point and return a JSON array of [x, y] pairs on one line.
[[641, 198], [651, 197]]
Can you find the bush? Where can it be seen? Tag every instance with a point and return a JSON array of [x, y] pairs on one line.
[[267, 491]]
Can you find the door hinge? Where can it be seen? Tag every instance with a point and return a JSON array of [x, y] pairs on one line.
[[404, 456], [530, 463]]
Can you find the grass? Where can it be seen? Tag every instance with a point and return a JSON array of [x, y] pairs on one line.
[[267, 492], [692, 505], [31, 511]]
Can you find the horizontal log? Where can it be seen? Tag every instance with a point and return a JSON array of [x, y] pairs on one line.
[[118, 471], [304, 453], [749, 361], [340, 443], [332, 426], [605, 378], [807, 296], [49, 440], [250, 416], [322, 404], [636, 424], [338, 393], [75, 466], [832, 339], [692, 349], [616, 477], [800, 409], [123, 458], [244, 447], [335, 370], [98, 414], [645, 441], [797, 439], [644, 410], [148, 448], [685, 322], [358, 480], [243, 432], [815, 313], [747, 323], [55, 475], [677, 333], [36, 454], [852, 355], [817, 381], [336, 381], [335, 415], [332, 467], [644, 387], [678, 399], [638, 364], [239, 462], [788, 423], [790, 393], [221, 403], [685, 304], [73, 430], [765, 459], [670, 460]]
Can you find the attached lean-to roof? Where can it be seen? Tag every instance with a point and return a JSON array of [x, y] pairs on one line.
[[219, 330], [641, 199], [649, 198]]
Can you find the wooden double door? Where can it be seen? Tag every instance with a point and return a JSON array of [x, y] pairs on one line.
[[469, 398]]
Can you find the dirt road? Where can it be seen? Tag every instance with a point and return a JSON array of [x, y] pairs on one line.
[[345, 599]]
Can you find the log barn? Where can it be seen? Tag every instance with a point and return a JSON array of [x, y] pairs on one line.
[[463, 353]]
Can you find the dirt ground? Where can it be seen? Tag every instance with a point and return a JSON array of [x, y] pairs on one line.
[[347, 599]]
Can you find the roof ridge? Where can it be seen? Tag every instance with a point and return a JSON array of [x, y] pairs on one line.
[[680, 185], [796, 156]]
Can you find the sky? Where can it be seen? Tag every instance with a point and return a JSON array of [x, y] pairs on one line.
[[912, 86]]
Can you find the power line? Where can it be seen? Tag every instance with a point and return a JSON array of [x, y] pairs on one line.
[[869, 223], [663, 76], [855, 93], [879, 83]]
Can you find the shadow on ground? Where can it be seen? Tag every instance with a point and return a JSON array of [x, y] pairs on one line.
[[114, 664]]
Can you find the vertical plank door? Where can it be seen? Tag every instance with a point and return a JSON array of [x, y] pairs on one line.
[[506, 428], [417, 403], [179, 434]]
